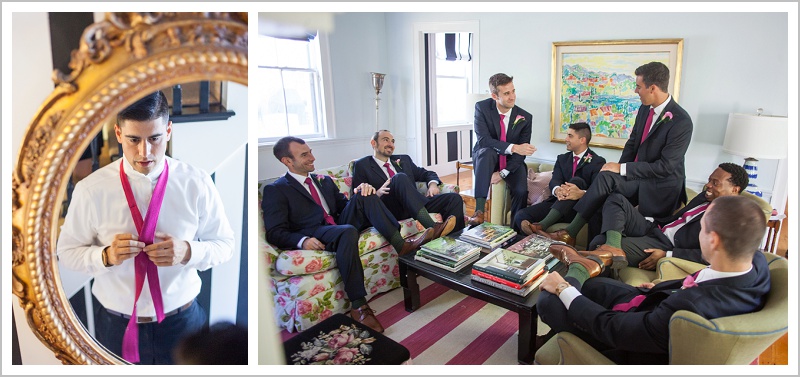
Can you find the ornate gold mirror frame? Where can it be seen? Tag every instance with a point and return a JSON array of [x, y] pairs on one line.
[[120, 59]]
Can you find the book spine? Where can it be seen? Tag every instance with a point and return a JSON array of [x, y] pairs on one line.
[[437, 259], [496, 279], [519, 292]]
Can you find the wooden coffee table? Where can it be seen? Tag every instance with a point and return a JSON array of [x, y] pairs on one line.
[[462, 282]]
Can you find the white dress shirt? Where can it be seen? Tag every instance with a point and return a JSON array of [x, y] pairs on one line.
[[191, 211], [623, 171], [394, 169]]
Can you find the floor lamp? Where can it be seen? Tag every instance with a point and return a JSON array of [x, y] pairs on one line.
[[377, 84], [756, 137]]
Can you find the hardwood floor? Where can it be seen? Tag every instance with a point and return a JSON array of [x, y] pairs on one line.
[[777, 354]]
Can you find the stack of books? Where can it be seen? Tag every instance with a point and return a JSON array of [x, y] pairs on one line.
[[488, 235], [448, 253], [536, 246], [512, 272]]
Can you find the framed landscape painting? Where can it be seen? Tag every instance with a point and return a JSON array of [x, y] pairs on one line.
[[594, 82]]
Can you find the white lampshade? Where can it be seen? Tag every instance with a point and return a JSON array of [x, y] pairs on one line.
[[469, 107], [757, 136]]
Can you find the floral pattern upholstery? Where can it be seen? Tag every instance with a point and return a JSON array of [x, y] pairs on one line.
[[306, 285]]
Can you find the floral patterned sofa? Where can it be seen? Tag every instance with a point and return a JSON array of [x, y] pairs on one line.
[[306, 285]]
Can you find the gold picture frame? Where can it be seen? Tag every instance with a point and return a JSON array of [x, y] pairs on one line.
[[119, 59], [594, 82]]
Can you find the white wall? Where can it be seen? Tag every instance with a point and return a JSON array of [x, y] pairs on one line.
[[733, 62]]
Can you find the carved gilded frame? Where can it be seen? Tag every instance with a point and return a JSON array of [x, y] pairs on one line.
[[119, 59]]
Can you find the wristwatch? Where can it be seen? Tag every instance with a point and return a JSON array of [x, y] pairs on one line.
[[561, 287], [105, 257], [503, 175]]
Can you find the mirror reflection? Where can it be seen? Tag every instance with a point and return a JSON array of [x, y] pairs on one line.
[[169, 231]]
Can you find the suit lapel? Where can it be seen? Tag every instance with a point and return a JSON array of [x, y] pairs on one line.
[[583, 161], [377, 169], [325, 193], [299, 187], [398, 168]]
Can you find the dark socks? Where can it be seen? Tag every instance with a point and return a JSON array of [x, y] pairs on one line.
[[575, 226], [424, 218], [397, 241], [577, 271], [614, 238], [357, 303], [552, 217], [480, 204]]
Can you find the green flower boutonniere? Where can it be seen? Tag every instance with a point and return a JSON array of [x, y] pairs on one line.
[[588, 158]]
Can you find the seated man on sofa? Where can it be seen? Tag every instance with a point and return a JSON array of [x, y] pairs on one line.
[[396, 175], [629, 238], [306, 211], [630, 325], [573, 172]]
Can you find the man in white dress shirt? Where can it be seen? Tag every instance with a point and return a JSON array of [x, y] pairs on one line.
[[99, 236]]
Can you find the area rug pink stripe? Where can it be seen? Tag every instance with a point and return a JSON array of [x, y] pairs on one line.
[[398, 311], [491, 339], [442, 325]]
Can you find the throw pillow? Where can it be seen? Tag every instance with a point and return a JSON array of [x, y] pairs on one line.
[[538, 186]]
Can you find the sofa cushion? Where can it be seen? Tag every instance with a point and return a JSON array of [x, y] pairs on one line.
[[538, 186]]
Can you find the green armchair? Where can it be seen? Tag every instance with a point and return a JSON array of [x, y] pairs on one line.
[[738, 339]]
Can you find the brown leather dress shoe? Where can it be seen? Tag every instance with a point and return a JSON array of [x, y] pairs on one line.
[[412, 245], [568, 255], [366, 316], [559, 235], [529, 228], [444, 228], [611, 256], [476, 219]]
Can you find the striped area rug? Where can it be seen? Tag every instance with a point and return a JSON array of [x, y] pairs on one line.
[[449, 328]]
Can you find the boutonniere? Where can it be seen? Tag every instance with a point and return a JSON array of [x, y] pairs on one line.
[[520, 118], [665, 117], [588, 158], [397, 162], [320, 178]]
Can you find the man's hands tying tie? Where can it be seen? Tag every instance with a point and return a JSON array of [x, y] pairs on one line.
[[169, 252], [125, 246]]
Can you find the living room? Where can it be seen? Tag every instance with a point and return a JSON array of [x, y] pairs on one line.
[[718, 72]]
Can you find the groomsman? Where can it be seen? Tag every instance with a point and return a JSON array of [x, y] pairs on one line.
[[504, 136], [651, 171], [397, 177]]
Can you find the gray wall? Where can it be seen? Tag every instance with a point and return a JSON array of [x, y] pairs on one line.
[[733, 62]]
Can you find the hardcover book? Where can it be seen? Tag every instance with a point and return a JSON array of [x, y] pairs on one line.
[[524, 291], [488, 235], [452, 268], [450, 248], [508, 265], [534, 246]]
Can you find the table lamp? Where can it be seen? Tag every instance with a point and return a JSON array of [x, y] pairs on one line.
[[756, 137]]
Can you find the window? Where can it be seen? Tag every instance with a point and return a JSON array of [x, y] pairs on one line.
[[290, 85], [452, 66]]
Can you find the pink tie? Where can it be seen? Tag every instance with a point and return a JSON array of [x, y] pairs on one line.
[[315, 195], [685, 215], [574, 164], [646, 130], [143, 266], [502, 138], [688, 282], [389, 169]]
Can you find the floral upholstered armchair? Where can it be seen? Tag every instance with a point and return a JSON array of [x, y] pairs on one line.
[[306, 285]]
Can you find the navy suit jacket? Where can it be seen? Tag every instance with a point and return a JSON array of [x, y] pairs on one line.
[[646, 329], [562, 171], [487, 127], [367, 170], [290, 213], [660, 169]]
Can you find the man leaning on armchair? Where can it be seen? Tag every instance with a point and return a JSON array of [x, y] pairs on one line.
[[396, 177], [630, 325]]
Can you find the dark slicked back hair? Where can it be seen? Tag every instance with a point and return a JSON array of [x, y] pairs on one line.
[[376, 135], [583, 130], [499, 79], [654, 73], [153, 106], [739, 177], [281, 148], [739, 222]]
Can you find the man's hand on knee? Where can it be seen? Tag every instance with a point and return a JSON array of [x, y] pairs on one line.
[[496, 178], [611, 166], [312, 243]]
